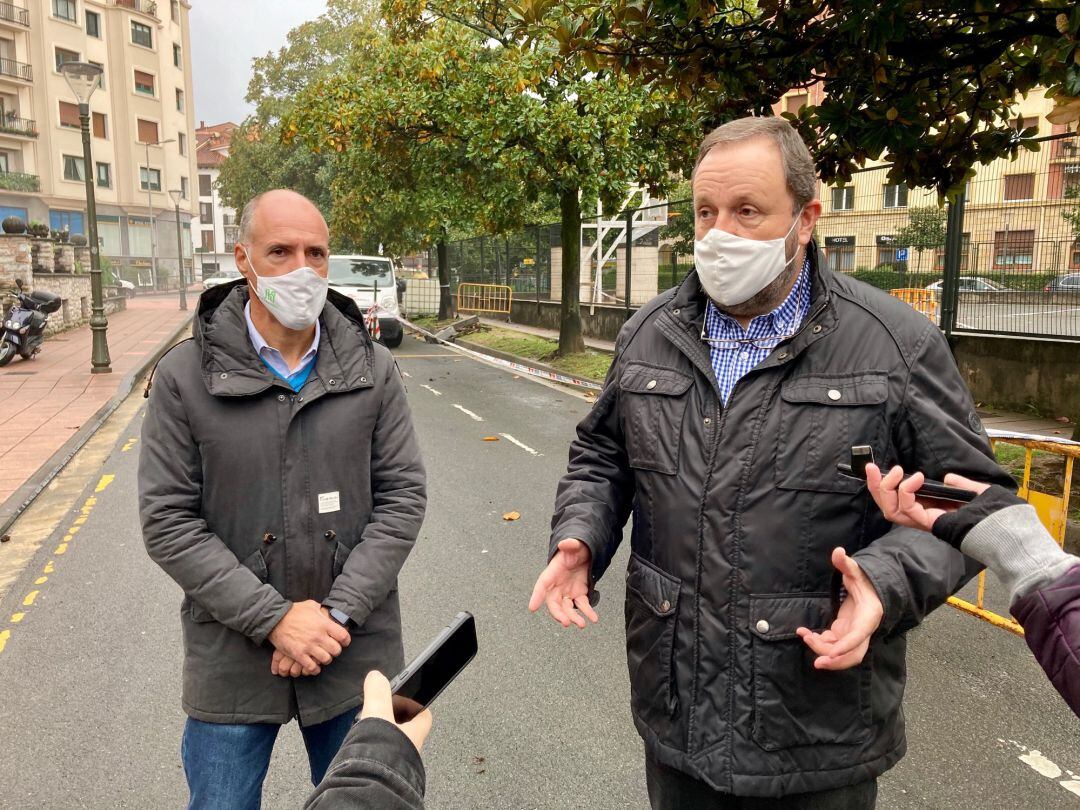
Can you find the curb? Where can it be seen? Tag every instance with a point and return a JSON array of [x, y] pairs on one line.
[[516, 358], [20, 499]]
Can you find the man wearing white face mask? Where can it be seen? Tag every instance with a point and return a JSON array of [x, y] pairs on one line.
[[281, 487], [765, 672]]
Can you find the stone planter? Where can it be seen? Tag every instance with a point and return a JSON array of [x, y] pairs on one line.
[[14, 225], [44, 255]]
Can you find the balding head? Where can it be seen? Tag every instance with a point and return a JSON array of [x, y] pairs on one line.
[[283, 197]]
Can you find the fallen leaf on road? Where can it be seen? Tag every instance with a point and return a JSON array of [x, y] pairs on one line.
[[511, 516], [478, 760], [491, 438]]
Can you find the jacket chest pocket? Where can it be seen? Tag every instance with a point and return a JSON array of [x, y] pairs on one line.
[[653, 402], [821, 417], [794, 703]]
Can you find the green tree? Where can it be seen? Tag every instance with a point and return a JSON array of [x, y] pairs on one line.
[[925, 230], [930, 85], [490, 109]]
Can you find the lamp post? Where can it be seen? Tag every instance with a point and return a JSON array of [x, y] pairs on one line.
[[177, 195], [84, 79], [150, 209]]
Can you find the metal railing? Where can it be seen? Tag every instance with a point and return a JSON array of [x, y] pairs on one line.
[[18, 70], [17, 181], [12, 13], [13, 125], [144, 6]]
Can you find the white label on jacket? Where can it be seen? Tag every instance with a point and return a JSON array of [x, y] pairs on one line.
[[329, 502]]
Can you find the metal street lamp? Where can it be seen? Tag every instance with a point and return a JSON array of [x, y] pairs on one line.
[[177, 195], [84, 79]]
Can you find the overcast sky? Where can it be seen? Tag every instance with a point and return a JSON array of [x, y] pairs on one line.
[[225, 36]]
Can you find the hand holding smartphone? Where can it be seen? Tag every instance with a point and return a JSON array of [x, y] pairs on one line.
[[427, 675], [863, 454]]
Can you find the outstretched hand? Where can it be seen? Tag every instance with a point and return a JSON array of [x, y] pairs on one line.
[[845, 643], [564, 586], [896, 498]]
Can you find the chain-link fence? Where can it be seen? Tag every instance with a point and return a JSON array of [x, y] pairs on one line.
[[1018, 264]]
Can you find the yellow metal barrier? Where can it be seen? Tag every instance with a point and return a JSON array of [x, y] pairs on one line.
[[1053, 511], [924, 301], [484, 298]]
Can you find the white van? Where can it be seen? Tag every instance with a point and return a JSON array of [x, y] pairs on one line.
[[370, 280]]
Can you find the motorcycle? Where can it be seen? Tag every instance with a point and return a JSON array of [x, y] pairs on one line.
[[24, 325]]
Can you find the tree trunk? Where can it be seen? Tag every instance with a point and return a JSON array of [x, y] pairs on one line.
[[446, 300], [570, 340]]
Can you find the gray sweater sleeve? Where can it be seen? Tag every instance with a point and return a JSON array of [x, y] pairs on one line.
[[1013, 544]]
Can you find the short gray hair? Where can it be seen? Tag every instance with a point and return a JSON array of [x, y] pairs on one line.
[[795, 158], [247, 219]]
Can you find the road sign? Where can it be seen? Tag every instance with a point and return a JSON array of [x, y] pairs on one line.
[[901, 254], [528, 262]]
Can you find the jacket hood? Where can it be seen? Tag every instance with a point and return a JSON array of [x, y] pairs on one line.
[[230, 365]]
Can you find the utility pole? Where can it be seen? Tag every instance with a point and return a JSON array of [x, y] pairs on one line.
[[150, 208]]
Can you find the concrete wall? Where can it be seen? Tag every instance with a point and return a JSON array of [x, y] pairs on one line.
[[1014, 373], [603, 324]]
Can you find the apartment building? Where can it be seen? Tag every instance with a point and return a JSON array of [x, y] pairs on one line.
[[216, 229], [1013, 218], [142, 125]]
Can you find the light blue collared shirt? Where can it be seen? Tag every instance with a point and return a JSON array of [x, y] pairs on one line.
[[732, 360], [272, 357]]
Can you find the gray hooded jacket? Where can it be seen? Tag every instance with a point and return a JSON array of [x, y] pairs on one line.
[[253, 497]]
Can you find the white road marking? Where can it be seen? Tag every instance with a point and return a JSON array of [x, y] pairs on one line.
[[432, 390], [407, 374], [523, 446], [1041, 312], [469, 413], [1044, 767]]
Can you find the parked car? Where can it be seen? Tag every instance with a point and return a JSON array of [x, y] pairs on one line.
[[221, 277], [971, 284], [126, 286], [1069, 283], [371, 281]]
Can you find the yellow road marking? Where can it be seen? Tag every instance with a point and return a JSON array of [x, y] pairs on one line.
[[30, 597], [41, 580], [80, 521], [104, 482], [60, 549], [49, 567], [4, 636], [17, 617], [130, 443], [73, 530]]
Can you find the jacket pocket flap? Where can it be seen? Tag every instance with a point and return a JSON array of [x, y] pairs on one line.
[[638, 378], [868, 388], [257, 563], [775, 617], [657, 589]]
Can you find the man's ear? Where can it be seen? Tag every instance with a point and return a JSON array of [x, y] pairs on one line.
[[811, 213]]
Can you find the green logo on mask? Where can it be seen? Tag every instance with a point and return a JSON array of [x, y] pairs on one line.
[[270, 295]]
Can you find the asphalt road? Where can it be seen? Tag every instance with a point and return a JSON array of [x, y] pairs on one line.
[[1058, 319], [90, 714]]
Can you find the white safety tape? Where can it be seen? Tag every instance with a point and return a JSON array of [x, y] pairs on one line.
[[1014, 434], [554, 376]]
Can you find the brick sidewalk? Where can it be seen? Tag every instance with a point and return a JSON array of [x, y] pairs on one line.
[[46, 400]]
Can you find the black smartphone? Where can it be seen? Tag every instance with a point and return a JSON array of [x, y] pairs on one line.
[[863, 454], [427, 675]]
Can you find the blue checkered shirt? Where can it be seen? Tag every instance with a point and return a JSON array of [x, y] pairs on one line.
[[732, 361]]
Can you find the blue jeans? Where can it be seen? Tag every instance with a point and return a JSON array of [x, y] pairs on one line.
[[225, 765]]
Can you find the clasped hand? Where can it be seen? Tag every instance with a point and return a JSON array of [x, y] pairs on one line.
[[305, 640]]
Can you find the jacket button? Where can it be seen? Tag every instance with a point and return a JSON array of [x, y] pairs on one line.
[[782, 356], [268, 538], [675, 311], [224, 376], [280, 397], [708, 421], [332, 382], [665, 606], [817, 329], [650, 385], [834, 394], [762, 626], [363, 379], [330, 534]]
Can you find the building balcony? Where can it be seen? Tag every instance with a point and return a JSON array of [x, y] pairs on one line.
[[149, 7], [17, 181], [13, 14], [16, 70], [22, 127]]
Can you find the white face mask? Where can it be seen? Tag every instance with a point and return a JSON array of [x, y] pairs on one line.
[[295, 299], [734, 269]]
